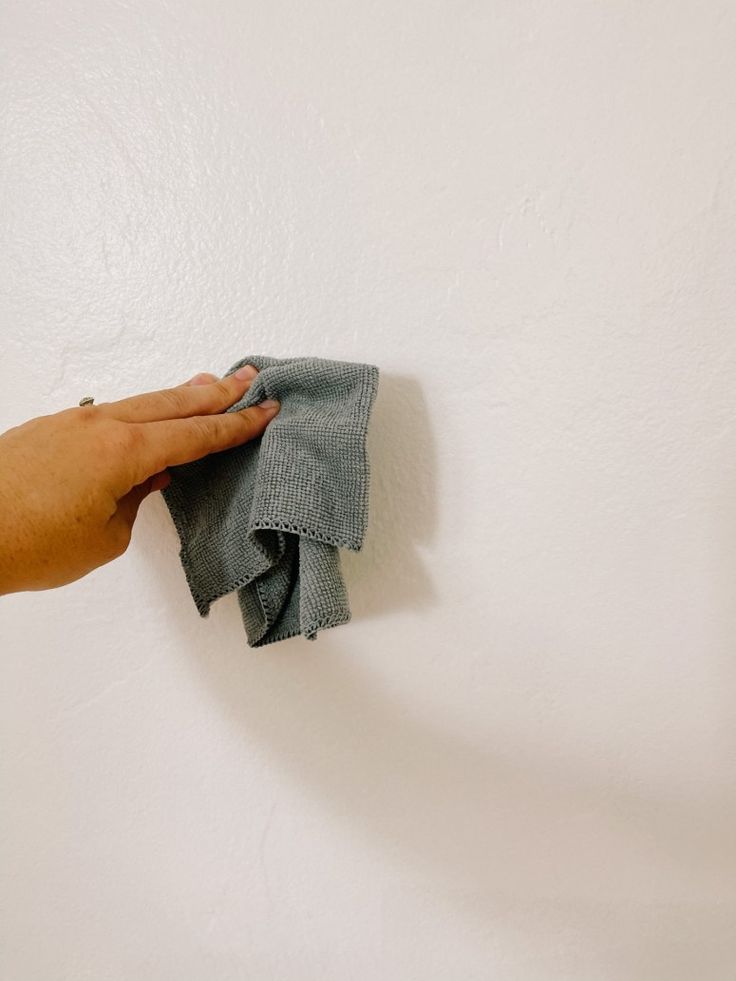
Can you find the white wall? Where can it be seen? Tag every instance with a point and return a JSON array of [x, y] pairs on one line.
[[518, 760]]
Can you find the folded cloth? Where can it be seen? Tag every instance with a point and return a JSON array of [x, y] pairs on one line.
[[267, 518]]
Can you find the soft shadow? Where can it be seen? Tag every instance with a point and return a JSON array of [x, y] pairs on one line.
[[488, 828], [484, 817], [388, 573], [491, 826]]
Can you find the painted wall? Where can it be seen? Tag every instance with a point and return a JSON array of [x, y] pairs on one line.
[[519, 760]]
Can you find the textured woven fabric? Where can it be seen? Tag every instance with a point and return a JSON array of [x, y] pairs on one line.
[[267, 518]]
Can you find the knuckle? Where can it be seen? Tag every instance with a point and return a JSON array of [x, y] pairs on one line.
[[132, 437], [207, 430], [127, 439], [222, 432], [85, 415], [223, 390], [251, 423], [178, 400]]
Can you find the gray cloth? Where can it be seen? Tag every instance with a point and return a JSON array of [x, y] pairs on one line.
[[267, 518]]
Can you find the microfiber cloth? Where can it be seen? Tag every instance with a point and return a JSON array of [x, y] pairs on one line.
[[267, 518]]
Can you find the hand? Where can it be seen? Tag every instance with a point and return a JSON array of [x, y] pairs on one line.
[[71, 483]]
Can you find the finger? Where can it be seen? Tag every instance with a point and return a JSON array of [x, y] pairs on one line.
[[195, 398], [128, 505], [171, 442], [160, 480], [127, 509], [203, 378]]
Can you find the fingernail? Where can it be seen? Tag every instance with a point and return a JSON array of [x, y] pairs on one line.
[[247, 371], [269, 404]]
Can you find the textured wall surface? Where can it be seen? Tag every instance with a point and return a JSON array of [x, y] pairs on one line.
[[519, 760]]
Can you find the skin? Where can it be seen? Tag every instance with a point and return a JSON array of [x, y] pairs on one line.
[[71, 483]]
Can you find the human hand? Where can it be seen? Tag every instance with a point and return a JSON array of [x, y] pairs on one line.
[[71, 483]]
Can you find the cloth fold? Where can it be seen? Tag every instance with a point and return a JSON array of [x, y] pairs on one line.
[[267, 519]]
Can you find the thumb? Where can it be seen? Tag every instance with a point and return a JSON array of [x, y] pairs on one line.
[[128, 504]]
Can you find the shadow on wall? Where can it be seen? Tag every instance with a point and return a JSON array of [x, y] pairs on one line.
[[505, 835], [388, 573], [510, 835]]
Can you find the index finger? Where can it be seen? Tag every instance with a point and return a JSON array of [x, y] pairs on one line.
[[199, 399], [171, 442]]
